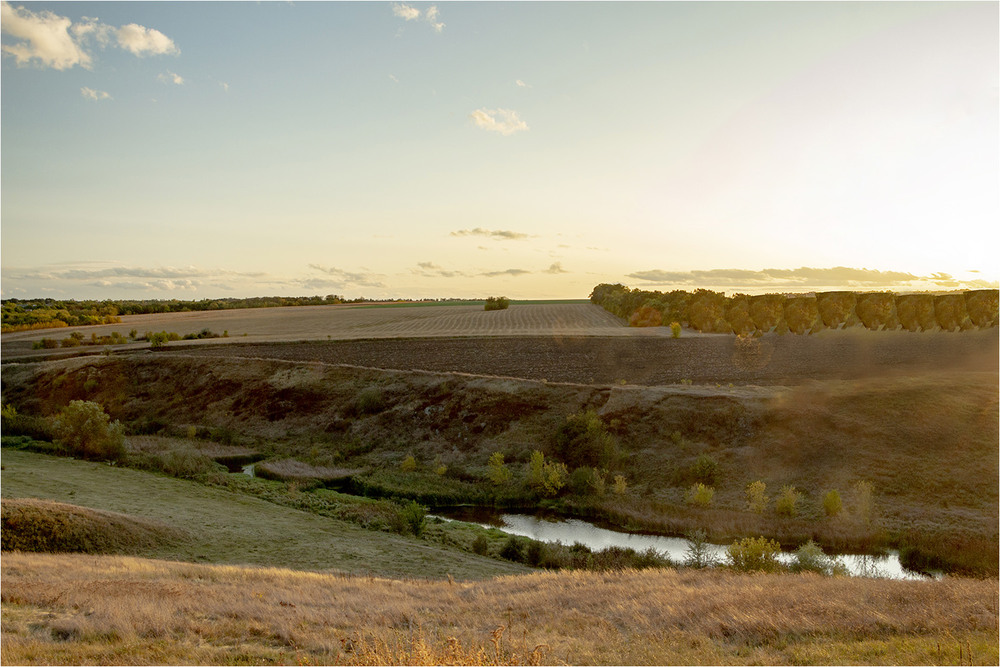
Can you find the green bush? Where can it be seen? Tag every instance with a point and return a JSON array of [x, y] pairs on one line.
[[699, 494], [369, 401], [586, 481], [535, 553], [864, 504], [498, 471], [698, 554], [414, 517], [86, 430], [481, 545], [675, 329], [832, 504], [512, 550], [810, 558], [497, 303], [757, 497], [583, 440], [787, 502], [704, 470], [754, 554]]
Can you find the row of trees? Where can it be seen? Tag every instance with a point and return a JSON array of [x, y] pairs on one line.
[[27, 314], [714, 312]]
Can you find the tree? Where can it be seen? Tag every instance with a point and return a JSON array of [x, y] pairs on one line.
[[499, 472], [583, 440], [87, 430]]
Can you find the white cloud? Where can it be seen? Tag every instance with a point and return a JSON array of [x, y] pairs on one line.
[[405, 12], [394, 78], [171, 77], [504, 121], [142, 41], [225, 86], [46, 38], [431, 17], [408, 13], [50, 40], [521, 84], [92, 94]]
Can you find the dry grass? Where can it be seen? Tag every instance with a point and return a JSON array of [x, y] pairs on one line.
[[290, 470], [41, 525], [120, 610]]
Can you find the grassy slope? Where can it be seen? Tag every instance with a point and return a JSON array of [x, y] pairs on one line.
[[229, 528], [120, 610]]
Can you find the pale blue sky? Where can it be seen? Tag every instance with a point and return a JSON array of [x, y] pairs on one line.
[[191, 150]]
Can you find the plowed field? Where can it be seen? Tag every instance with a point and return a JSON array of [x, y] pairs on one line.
[[655, 360], [575, 342]]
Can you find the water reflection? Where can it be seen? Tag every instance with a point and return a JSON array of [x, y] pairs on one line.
[[569, 531]]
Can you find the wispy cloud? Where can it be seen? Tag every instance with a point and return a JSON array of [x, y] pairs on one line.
[[521, 84], [504, 121], [225, 86], [804, 278], [497, 234], [505, 272], [409, 13], [341, 278], [394, 78], [49, 40], [92, 94], [556, 268], [171, 77], [432, 270]]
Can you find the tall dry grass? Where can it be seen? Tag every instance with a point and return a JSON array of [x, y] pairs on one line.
[[121, 610]]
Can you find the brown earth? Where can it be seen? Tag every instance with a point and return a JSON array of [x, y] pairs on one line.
[[654, 360]]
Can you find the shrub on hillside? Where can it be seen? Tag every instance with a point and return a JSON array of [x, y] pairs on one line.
[[757, 497], [583, 440], [754, 554], [787, 502], [699, 494], [704, 470], [86, 430], [832, 503], [13, 422], [499, 473], [585, 481], [512, 550], [369, 401]]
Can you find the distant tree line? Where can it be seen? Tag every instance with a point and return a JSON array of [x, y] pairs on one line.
[[714, 312], [27, 314]]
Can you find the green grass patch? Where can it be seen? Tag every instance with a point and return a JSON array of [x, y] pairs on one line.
[[230, 527]]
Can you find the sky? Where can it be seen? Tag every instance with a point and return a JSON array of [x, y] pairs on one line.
[[168, 150]]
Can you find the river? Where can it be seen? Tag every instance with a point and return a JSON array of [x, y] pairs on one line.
[[569, 531]]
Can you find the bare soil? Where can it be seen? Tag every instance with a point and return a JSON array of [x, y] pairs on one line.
[[654, 360]]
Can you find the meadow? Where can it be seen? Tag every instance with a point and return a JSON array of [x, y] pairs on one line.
[[555, 406]]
